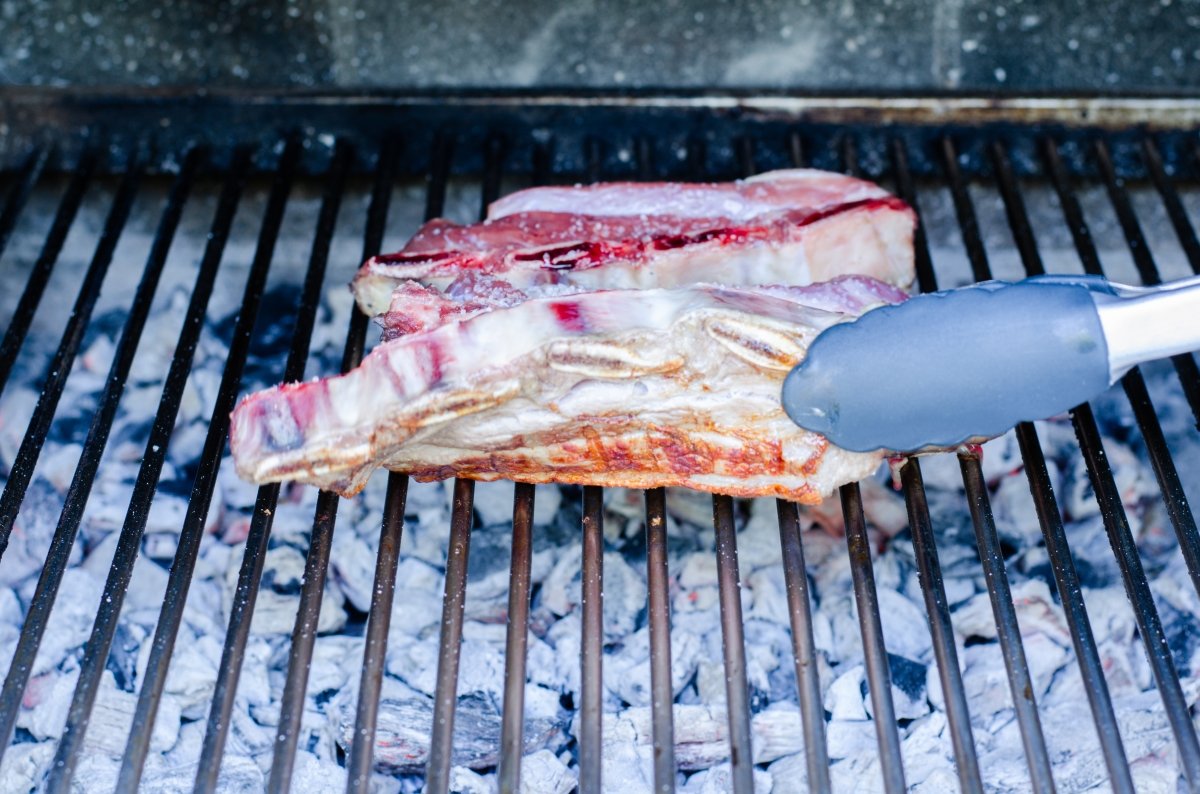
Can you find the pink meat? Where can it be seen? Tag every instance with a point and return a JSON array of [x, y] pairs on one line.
[[784, 227]]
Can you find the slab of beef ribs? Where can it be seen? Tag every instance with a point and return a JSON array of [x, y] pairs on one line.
[[630, 335]]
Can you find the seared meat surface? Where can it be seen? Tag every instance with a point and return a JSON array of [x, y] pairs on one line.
[[636, 388]]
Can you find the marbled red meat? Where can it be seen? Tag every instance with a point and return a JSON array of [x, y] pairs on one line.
[[784, 227]]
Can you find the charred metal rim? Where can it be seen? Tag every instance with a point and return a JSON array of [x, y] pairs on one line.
[[155, 121]]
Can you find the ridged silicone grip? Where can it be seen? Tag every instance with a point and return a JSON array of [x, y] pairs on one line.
[[946, 367]]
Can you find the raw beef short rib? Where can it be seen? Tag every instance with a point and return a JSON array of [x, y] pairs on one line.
[[634, 388]]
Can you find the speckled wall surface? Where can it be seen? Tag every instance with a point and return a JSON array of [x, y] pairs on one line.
[[832, 44]]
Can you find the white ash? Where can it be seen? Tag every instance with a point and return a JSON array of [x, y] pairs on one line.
[[552, 689]]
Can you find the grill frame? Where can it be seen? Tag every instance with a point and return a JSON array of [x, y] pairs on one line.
[[498, 136]]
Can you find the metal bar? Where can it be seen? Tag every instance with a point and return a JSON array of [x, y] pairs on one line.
[[27, 176], [804, 648], [1081, 233], [594, 154], [316, 565], [39, 276], [362, 748], [1070, 589], [304, 637], [662, 693], [493, 170], [246, 592], [1014, 208], [64, 357], [745, 152], [1170, 198], [940, 626], [926, 278], [644, 153], [437, 778], [796, 149], [128, 542], [942, 630], [1138, 590], [737, 691], [879, 676], [1008, 631], [964, 211], [58, 555], [450, 641], [512, 722], [174, 599], [1135, 240], [988, 543], [592, 644], [1174, 497]]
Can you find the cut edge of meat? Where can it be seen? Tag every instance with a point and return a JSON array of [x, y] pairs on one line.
[[871, 238]]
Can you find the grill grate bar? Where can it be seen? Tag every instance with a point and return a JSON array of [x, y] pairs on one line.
[[879, 677], [316, 562], [1174, 497], [804, 648], [941, 629], [445, 697], [737, 692], [940, 626], [39, 276], [65, 532], [926, 280], [1170, 197], [516, 641], [205, 481], [1070, 588], [128, 543], [64, 357], [964, 211], [1008, 631], [27, 176], [866, 597], [362, 746], [591, 690], [990, 556], [592, 641], [1120, 537], [304, 636], [450, 640], [1138, 590], [1014, 208], [1185, 363], [662, 693], [242, 606], [1134, 384]]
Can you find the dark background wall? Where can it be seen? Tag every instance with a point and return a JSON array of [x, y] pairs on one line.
[[969, 45]]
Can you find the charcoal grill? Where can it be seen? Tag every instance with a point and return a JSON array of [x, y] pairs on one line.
[[216, 142]]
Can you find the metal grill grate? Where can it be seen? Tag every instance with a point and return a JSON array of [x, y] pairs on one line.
[[744, 145]]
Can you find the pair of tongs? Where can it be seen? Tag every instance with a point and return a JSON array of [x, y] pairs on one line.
[[944, 368]]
